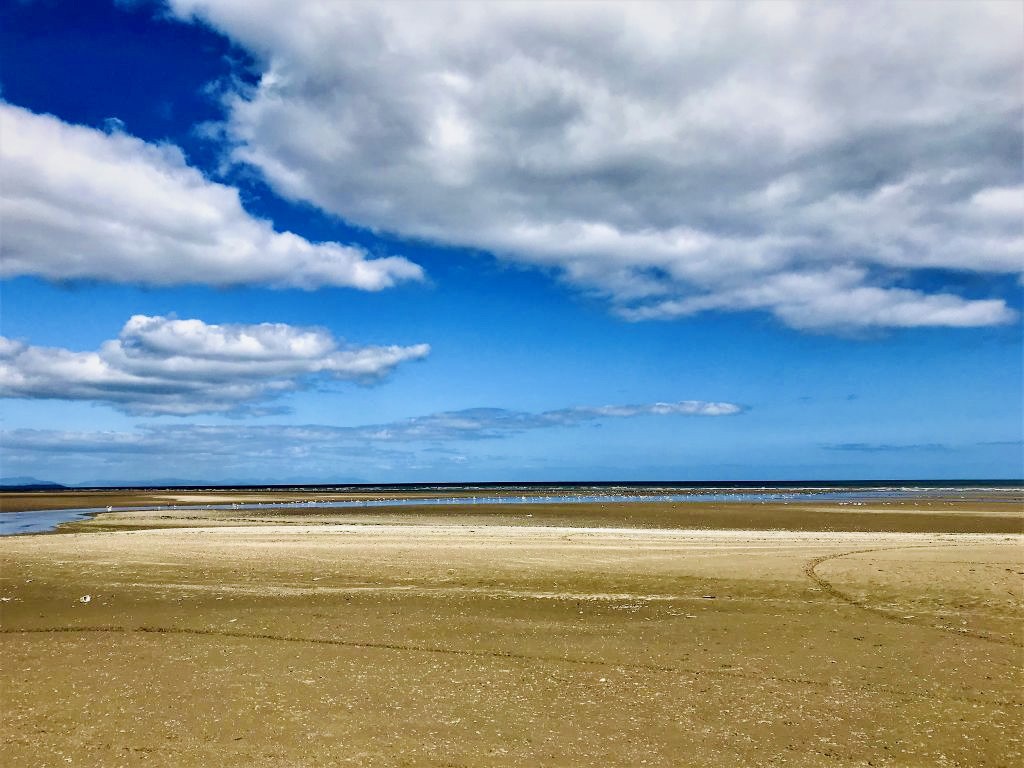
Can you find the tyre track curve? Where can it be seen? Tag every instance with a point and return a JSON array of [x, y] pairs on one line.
[[499, 654], [810, 569]]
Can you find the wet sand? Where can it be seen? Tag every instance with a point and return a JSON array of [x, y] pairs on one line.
[[980, 512], [441, 638]]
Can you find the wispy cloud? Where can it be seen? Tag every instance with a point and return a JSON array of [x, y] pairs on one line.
[[490, 423], [82, 203], [161, 365], [676, 158], [886, 447], [190, 449]]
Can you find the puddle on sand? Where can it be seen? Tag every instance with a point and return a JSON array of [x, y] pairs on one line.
[[12, 523]]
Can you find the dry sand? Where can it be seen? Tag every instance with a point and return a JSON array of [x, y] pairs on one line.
[[497, 639]]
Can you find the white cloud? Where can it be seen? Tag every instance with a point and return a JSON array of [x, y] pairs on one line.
[[426, 432], [681, 408], [673, 157], [310, 452], [489, 423], [81, 203], [161, 365], [837, 298]]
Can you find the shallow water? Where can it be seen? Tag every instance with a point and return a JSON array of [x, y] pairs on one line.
[[12, 523], [756, 497]]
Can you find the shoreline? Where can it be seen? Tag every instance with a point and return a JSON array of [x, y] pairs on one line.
[[938, 514]]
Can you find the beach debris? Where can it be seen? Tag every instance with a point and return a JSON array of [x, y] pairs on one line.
[[708, 597], [6, 599], [85, 598]]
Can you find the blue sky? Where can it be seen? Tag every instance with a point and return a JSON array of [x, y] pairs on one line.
[[316, 243]]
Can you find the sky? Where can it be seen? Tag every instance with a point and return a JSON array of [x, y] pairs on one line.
[[258, 241]]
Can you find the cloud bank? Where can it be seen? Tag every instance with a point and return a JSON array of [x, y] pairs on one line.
[[810, 160], [491, 423], [417, 441], [161, 365], [78, 203]]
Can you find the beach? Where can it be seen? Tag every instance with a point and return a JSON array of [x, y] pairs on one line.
[[562, 635]]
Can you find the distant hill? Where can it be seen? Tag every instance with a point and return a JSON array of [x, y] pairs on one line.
[[26, 483]]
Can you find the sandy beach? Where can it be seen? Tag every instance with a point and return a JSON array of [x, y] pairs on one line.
[[548, 384], [519, 636]]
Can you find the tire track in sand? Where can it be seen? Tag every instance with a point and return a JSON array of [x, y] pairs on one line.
[[810, 569], [498, 654]]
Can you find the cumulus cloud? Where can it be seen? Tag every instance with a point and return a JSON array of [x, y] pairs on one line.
[[836, 298], [82, 203], [802, 159], [161, 365]]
